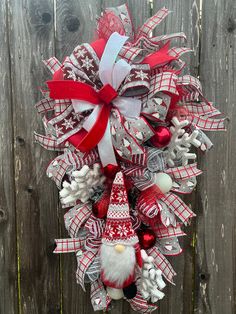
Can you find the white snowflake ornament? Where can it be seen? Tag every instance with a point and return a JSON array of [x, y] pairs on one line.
[[151, 282], [83, 184], [180, 144]]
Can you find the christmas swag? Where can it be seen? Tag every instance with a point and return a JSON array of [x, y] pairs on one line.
[[124, 119]]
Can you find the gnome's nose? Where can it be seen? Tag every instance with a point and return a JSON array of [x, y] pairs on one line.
[[119, 248]]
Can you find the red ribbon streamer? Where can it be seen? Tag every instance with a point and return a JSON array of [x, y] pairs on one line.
[[160, 57], [83, 140]]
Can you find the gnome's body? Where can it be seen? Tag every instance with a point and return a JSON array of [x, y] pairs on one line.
[[119, 252]]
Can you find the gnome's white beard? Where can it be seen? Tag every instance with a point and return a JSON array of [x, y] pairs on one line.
[[117, 267]]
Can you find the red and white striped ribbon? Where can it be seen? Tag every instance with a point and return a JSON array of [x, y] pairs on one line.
[[139, 304]]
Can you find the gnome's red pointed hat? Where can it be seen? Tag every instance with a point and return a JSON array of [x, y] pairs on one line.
[[118, 225]]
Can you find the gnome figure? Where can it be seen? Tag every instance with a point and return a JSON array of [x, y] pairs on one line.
[[119, 252]]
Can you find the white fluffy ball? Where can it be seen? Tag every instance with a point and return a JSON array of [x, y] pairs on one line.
[[115, 294], [163, 181]]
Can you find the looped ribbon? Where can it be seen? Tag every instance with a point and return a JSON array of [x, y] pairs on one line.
[[96, 129], [95, 228]]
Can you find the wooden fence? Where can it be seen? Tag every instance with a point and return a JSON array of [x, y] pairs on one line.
[[32, 279]]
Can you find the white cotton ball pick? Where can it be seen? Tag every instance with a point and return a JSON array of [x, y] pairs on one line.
[[163, 181], [115, 294]]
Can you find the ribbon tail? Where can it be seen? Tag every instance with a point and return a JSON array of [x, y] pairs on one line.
[[68, 89], [111, 51], [86, 141], [81, 105], [160, 57], [105, 148]]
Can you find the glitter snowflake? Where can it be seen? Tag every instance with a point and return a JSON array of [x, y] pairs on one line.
[[68, 123], [87, 63], [141, 75]]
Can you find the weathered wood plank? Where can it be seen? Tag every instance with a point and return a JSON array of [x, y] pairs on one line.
[[183, 18], [8, 262], [31, 40], [215, 250], [75, 24]]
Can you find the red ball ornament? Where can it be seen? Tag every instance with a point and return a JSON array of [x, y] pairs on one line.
[[111, 170], [147, 238], [162, 137], [100, 207]]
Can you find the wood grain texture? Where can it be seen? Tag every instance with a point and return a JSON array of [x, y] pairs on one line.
[[216, 222], [31, 40], [184, 17], [8, 262], [75, 23]]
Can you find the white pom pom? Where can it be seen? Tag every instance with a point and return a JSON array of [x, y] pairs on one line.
[[115, 294], [163, 181]]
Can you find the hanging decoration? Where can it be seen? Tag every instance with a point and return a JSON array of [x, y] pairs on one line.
[[124, 119]]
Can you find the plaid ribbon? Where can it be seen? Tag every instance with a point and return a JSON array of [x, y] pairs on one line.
[[181, 210], [161, 82], [52, 64], [184, 172], [202, 108], [84, 262], [48, 142], [68, 245], [61, 105], [179, 51], [56, 170], [163, 232], [75, 218], [207, 124], [154, 43], [68, 162], [162, 263], [151, 23], [191, 86], [131, 54], [45, 105]]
